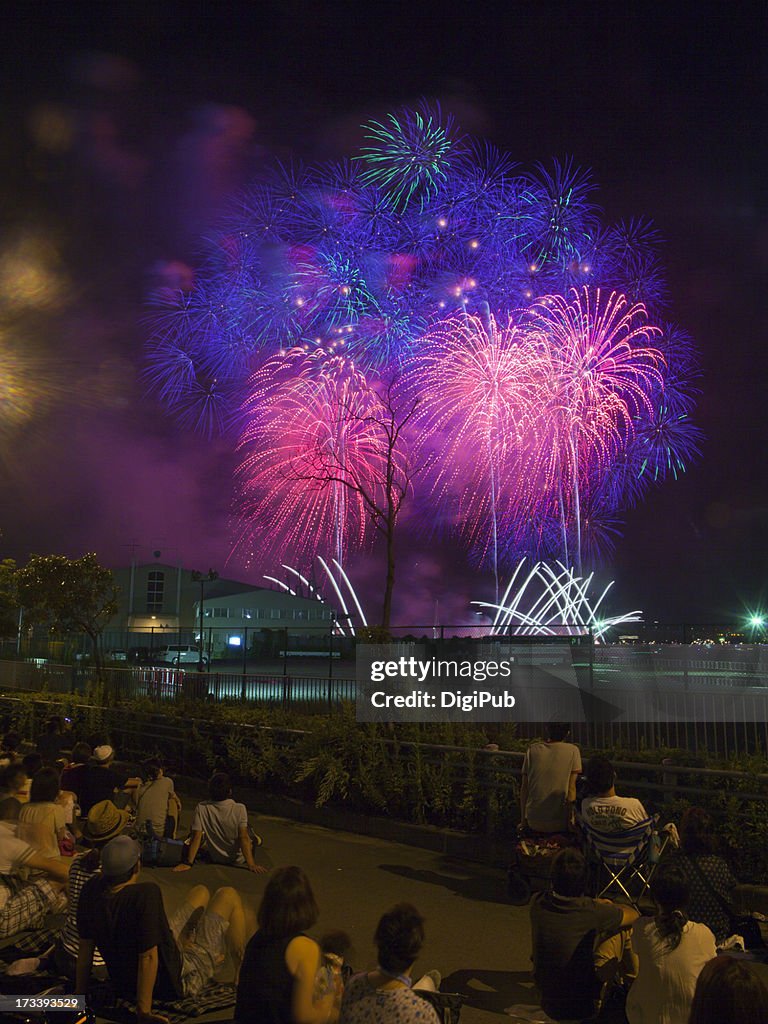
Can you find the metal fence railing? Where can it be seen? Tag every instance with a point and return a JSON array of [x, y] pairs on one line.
[[680, 699], [494, 771]]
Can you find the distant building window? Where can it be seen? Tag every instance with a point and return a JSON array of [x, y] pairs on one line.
[[221, 613], [275, 613], [247, 613], [155, 588]]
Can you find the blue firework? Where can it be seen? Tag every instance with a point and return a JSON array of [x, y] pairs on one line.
[[364, 257], [559, 218]]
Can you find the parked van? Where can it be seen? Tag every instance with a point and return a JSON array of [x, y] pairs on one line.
[[179, 654]]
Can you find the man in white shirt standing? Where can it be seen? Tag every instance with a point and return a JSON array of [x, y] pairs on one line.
[[603, 810], [548, 789], [224, 825]]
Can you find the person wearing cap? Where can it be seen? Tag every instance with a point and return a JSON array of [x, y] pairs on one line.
[[148, 955], [102, 781], [104, 822], [25, 904]]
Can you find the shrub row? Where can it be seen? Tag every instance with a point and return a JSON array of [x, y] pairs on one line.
[[405, 772]]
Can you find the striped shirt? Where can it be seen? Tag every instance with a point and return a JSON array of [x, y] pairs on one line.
[[70, 938]]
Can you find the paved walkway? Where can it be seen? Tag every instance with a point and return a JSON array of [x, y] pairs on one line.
[[479, 943]]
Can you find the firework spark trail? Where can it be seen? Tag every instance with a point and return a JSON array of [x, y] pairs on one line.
[[552, 602], [406, 156], [597, 370], [341, 587], [311, 440], [383, 257], [472, 379]]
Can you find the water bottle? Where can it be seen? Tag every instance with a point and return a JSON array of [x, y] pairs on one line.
[[654, 852]]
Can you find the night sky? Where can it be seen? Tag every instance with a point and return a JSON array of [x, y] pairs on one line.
[[128, 125]]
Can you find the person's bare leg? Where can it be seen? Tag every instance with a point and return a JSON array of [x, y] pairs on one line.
[[226, 903], [197, 898]]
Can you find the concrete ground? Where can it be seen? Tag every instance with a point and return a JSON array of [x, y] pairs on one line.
[[479, 943]]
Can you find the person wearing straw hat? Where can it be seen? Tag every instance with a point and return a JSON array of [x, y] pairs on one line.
[[104, 822]]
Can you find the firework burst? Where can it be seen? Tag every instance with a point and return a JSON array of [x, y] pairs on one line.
[[409, 259], [552, 601], [310, 444]]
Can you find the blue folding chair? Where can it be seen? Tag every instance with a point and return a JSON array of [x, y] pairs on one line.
[[628, 857]]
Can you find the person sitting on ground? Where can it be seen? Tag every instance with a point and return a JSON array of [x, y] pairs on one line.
[[578, 942], [10, 808], [10, 749], [31, 763], [280, 965], [671, 951], [105, 821], [728, 990], [102, 781], [73, 775], [548, 788], [156, 802], [223, 824], [25, 904], [602, 809], [709, 878], [147, 954], [51, 743], [13, 782], [43, 820], [387, 994]]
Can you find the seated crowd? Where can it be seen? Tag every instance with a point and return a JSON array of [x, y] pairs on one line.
[[74, 828]]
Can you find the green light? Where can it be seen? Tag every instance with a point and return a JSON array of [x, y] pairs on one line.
[[756, 621]]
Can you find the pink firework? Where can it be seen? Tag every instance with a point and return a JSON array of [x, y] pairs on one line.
[[521, 424], [472, 379], [312, 445], [594, 374]]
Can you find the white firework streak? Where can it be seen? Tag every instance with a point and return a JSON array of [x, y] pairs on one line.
[[561, 607], [339, 587]]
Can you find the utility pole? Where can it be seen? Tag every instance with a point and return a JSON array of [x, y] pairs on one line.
[[198, 577]]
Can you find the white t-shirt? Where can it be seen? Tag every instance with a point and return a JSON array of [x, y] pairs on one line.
[[663, 991], [549, 767], [612, 813], [14, 852], [220, 822], [40, 824]]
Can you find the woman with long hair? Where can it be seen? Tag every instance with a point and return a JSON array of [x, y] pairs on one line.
[[281, 962], [671, 951], [729, 991]]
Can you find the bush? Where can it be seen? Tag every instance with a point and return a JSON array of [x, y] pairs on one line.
[[410, 772]]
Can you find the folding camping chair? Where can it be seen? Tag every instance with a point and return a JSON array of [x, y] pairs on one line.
[[627, 856]]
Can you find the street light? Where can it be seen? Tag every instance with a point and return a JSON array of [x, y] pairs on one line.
[[198, 577]]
